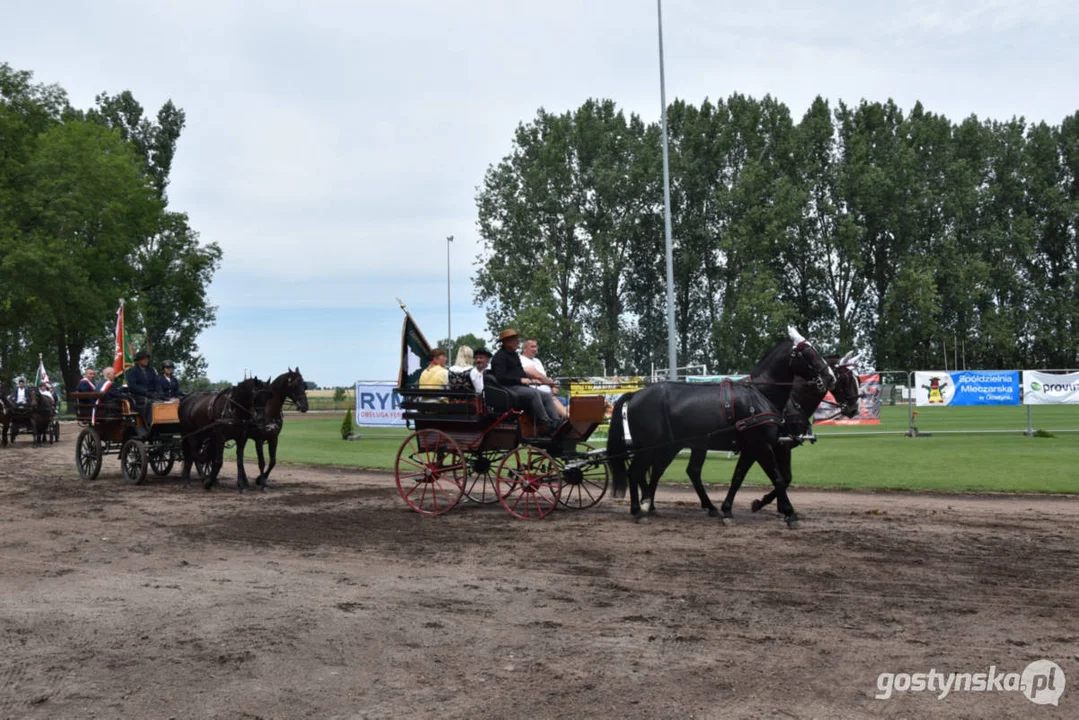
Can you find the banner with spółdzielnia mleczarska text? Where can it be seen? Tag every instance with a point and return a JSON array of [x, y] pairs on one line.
[[967, 387]]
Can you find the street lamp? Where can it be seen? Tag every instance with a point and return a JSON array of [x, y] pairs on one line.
[[449, 321], [672, 350]]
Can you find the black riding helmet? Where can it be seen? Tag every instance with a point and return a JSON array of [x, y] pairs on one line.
[[168, 364]]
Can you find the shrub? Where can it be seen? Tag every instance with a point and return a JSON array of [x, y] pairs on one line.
[[339, 395], [346, 425]]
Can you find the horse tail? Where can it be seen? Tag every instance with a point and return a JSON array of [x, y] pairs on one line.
[[616, 447]]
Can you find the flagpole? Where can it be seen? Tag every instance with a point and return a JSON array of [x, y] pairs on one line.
[[672, 349], [449, 322]]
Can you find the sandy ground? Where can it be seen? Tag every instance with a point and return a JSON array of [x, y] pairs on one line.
[[328, 598]]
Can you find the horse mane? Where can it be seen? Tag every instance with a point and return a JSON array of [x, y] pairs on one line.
[[783, 348]]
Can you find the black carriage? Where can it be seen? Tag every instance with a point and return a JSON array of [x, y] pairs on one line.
[[478, 447], [117, 428], [22, 424]]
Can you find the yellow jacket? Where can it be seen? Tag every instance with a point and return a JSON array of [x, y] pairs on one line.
[[435, 377]]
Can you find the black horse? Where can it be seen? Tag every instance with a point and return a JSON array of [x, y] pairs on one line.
[[289, 386], [806, 397], [38, 412], [666, 417], [5, 414], [209, 420]]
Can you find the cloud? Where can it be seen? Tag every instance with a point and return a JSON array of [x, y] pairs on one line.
[[331, 147]]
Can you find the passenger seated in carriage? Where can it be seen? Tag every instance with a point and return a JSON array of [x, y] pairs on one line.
[[110, 396], [548, 388], [482, 358], [435, 376], [463, 375]]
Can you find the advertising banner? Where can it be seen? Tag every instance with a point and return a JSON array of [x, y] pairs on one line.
[[611, 388], [711, 378], [966, 387], [868, 405], [378, 404], [1041, 388]]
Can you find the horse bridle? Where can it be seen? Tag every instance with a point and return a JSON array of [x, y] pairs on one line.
[[798, 350]]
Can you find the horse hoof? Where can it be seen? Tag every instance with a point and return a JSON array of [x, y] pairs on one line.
[[793, 523], [727, 520], [712, 512], [755, 506]]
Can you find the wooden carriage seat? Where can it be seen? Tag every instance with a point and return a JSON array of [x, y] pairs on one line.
[[166, 413]]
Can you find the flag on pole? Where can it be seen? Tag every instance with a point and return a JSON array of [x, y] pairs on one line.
[[42, 378], [118, 356], [415, 351]]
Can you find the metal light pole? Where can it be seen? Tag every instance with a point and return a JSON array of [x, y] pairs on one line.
[[672, 350], [449, 321]]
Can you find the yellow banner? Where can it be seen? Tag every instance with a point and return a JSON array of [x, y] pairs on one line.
[[605, 386]]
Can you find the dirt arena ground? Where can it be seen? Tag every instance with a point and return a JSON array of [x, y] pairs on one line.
[[327, 598]]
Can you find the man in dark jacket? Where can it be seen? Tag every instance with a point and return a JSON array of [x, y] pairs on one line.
[[167, 384], [508, 371], [142, 385]]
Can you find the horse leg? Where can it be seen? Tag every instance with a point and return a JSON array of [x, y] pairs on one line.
[[693, 469], [272, 442], [241, 474], [770, 465], [745, 463], [659, 465], [783, 456], [258, 442], [189, 457], [635, 472], [217, 459]]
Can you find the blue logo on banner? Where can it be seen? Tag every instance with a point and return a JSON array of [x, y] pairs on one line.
[[981, 387]]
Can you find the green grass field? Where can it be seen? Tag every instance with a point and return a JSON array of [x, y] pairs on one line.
[[991, 461]]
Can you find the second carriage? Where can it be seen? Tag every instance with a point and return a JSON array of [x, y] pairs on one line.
[[117, 428], [477, 447]]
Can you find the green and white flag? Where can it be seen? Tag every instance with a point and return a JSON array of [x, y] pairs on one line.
[[415, 353], [42, 376]]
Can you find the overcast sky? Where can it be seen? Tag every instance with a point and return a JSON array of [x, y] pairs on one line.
[[331, 147]]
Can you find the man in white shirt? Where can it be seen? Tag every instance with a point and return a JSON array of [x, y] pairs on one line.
[[534, 368], [20, 396]]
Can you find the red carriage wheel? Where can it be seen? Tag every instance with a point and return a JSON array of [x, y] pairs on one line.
[[528, 483], [431, 472], [583, 485]]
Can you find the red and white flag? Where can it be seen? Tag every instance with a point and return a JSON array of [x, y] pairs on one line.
[[118, 358]]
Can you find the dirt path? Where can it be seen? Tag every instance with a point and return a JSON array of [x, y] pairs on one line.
[[327, 598]]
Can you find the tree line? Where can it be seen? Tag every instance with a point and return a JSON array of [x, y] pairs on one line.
[[85, 221], [865, 226]]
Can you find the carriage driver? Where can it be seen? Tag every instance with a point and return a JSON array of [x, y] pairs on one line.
[[142, 385], [167, 384], [508, 371], [20, 396]]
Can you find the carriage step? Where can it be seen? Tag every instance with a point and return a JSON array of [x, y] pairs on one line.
[[788, 440], [592, 457]]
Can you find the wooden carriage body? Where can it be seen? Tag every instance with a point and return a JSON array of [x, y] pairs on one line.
[[118, 428], [478, 447]]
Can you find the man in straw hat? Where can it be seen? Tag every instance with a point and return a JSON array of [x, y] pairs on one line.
[[508, 371]]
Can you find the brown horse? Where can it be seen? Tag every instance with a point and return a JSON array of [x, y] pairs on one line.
[[289, 386], [209, 420]]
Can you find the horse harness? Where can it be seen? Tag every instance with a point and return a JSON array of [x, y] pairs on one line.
[[754, 419]]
